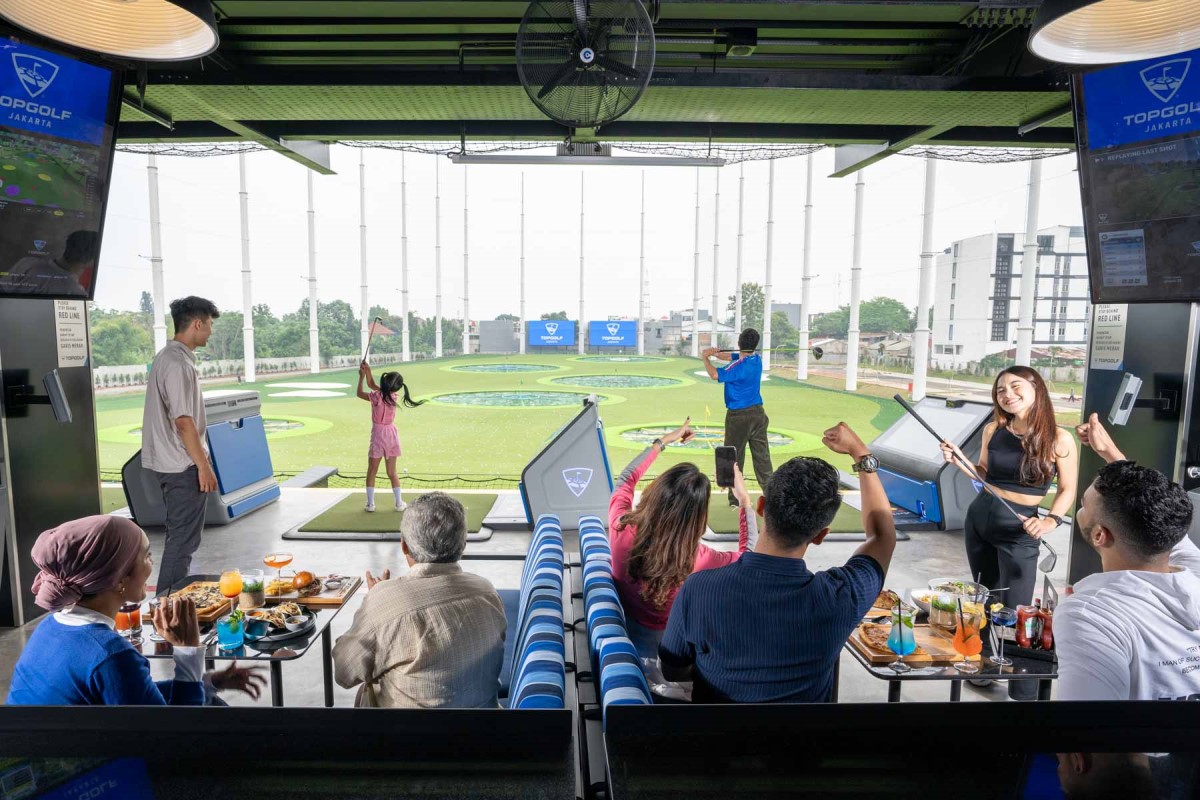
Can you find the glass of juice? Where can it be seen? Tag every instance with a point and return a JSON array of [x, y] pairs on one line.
[[151, 607], [230, 585], [901, 640], [968, 640], [129, 622]]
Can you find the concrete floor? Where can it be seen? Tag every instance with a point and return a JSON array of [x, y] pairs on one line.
[[244, 543]]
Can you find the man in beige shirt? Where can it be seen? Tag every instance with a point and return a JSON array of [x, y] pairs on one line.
[[433, 638], [174, 449]]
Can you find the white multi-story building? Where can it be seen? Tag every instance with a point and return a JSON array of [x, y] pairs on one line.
[[977, 295]]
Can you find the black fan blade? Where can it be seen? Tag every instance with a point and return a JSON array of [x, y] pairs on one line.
[[612, 65], [560, 76], [580, 9]]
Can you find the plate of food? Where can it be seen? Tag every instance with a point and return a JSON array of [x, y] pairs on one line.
[[277, 623], [885, 603], [210, 603]]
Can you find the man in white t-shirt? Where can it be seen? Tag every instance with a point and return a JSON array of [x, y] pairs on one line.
[[1132, 632]]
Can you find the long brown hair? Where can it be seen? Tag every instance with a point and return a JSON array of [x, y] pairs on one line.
[[1038, 443], [670, 519]]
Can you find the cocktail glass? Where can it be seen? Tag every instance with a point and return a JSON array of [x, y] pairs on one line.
[[152, 607], [230, 586], [968, 639], [129, 622], [1001, 618], [277, 561], [901, 640], [231, 632]]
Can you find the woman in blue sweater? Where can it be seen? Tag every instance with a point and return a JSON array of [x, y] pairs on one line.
[[88, 568]]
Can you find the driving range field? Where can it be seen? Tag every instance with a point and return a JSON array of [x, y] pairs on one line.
[[487, 416]]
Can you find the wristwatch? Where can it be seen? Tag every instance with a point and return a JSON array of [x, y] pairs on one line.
[[867, 463], [660, 444], [1057, 519]]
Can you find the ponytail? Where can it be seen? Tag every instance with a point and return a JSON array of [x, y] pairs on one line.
[[391, 383]]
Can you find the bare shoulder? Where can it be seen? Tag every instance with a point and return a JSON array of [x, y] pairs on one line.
[[1064, 443]]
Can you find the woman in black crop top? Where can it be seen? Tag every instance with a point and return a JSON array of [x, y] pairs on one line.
[[1023, 450]]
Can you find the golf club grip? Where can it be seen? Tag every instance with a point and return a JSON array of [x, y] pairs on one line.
[[963, 461]]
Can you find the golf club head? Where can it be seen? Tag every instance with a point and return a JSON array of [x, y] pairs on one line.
[[1048, 563], [817, 352]]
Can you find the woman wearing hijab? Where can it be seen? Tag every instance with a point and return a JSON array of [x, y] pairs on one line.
[[88, 568]]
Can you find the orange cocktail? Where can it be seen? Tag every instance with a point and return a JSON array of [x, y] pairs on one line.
[[230, 584], [277, 561], [967, 640]]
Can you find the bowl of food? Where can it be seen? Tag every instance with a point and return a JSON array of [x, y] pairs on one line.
[[920, 598], [946, 595], [295, 622], [256, 628]]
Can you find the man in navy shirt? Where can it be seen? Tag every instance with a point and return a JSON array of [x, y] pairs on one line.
[[745, 419], [765, 629]]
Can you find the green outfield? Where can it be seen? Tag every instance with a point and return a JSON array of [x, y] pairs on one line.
[[459, 437]]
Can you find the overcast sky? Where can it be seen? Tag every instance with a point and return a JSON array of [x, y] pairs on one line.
[[202, 249]]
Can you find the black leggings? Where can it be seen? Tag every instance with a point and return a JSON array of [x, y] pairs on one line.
[[999, 551]]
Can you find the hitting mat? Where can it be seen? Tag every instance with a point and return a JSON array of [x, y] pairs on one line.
[[347, 519], [723, 520]]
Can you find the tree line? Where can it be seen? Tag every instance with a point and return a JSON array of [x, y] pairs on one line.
[[127, 337]]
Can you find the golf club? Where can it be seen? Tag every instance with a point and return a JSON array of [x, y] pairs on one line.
[[1048, 563], [816, 350], [371, 337]]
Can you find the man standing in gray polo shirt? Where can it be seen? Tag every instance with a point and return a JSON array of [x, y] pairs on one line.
[[173, 443]]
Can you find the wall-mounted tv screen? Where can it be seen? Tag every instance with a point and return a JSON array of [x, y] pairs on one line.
[[1138, 130], [57, 130]]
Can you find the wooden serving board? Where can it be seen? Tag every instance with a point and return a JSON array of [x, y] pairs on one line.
[[326, 597], [939, 651], [211, 614]]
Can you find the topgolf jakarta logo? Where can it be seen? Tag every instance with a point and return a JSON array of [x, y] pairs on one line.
[[1165, 79], [36, 74], [552, 328]]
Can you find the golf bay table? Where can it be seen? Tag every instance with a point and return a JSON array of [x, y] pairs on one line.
[[272, 654], [1022, 669]]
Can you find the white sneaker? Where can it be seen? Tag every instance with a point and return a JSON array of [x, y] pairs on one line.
[[401, 505], [370, 507]]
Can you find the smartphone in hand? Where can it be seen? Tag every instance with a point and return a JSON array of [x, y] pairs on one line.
[[726, 458]]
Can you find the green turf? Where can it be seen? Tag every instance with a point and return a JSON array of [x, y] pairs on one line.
[[722, 517], [111, 498], [455, 440], [349, 515]]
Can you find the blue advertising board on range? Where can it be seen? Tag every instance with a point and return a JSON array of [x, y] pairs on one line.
[[1142, 100], [551, 332], [48, 93], [612, 333]]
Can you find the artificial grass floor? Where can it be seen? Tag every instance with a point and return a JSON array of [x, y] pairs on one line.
[[723, 518], [443, 440], [111, 498], [349, 515]]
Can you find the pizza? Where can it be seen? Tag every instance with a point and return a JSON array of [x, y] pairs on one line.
[[886, 599], [204, 594]]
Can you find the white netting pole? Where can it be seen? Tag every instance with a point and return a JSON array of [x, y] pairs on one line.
[[247, 293], [696, 276], [1029, 267], [920, 345], [314, 334], [806, 276], [766, 331], [855, 287], [156, 257]]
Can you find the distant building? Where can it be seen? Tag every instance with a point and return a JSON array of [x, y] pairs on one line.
[[977, 295], [663, 335]]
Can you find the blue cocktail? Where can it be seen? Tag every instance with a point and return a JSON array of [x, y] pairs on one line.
[[231, 632], [901, 640], [1001, 618]]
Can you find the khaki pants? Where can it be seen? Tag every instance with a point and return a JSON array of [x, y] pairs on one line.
[[749, 426]]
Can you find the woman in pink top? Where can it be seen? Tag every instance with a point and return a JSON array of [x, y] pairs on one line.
[[385, 442], [657, 545]]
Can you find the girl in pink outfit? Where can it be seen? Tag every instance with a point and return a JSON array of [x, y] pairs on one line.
[[385, 442]]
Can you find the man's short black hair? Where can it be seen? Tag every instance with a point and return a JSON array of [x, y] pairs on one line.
[[82, 247], [748, 339], [1144, 509], [801, 499], [186, 309]]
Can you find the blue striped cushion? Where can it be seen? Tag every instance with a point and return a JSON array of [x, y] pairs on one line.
[[621, 678]]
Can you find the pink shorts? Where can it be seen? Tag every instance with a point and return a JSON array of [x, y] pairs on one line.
[[385, 442]]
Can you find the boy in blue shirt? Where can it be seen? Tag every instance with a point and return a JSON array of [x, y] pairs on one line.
[[745, 420]]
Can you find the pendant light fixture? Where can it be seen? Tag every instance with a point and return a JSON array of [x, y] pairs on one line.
[[144, 30], [1113, 31]]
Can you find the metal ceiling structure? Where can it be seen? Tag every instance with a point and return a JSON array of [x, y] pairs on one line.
[[879, 74]]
